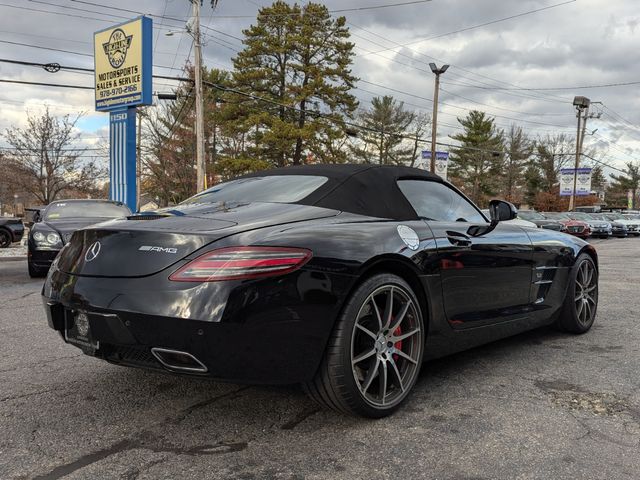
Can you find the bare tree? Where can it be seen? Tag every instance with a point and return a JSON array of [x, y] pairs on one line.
[[518, 149], [43, 159]]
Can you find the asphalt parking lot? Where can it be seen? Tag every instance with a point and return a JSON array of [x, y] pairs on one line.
[[542, 405]]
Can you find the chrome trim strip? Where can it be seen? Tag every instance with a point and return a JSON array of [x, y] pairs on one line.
[[157, 352], [547, 268], [543, 282]]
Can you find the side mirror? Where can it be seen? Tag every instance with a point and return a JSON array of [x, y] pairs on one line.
[[501, 211]]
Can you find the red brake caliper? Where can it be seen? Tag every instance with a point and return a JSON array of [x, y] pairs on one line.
[[398, 344]]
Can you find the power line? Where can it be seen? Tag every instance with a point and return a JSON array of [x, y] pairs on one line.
[[491, 22], [425, 109], [506, 109], [45, 48], [44, 84], [528, 89], [364, 81], [458, 107], [603, 163], [55, 13]]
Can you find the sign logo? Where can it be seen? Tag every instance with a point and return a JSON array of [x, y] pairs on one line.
[[92, 252], [117, 46], [150, 248]]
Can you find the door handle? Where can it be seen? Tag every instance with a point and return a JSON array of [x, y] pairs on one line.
[[458, 239]]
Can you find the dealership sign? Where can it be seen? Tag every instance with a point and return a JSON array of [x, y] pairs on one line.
[[442, 160], [583, 181], [122, 56]]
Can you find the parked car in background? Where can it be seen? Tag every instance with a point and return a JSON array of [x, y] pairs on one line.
[[633, 226], [574, 227], [11, 230], [632, 216], [516, 221], [599, 228], [541, 221], [58, 222], [617, 229]]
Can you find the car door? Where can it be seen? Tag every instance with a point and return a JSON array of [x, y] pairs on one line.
[[486, 279]]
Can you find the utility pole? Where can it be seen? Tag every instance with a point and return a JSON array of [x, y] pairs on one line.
[[582, 105], [434, 120], [201, 182]]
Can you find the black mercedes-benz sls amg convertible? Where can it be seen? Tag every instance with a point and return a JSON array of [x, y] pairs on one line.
[[343, 278]]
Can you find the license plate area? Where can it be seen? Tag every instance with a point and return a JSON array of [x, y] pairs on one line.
[[78, 330]]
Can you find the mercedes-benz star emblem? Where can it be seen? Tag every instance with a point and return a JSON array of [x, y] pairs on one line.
[[92, 252], [82, 323]]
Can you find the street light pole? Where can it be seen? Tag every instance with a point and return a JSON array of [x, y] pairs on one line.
[[200, 165], [434, 120]]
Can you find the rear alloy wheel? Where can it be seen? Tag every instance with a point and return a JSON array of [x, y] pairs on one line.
[[375, 352], [581, 302], [5, 239]]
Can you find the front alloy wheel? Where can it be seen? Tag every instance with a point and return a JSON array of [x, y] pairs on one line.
[[586, 293], [581, 302], [375, 352]]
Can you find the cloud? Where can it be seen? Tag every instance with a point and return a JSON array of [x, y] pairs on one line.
[[582, 43]]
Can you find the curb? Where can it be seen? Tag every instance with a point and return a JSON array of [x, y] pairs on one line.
[[12, 259]]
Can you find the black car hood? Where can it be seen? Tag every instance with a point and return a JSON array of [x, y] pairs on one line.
[[66, 227], [146, 243]]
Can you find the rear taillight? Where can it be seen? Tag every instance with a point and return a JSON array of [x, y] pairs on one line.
[[237, 263]]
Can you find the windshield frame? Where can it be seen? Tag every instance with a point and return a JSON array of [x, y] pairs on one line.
[[87, 205]]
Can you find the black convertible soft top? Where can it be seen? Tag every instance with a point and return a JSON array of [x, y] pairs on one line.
[[363, 189]]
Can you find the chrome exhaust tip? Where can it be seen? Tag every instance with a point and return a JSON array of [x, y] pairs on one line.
[[178, 361]]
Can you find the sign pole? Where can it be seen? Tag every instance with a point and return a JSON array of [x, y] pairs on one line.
[[122, 156]]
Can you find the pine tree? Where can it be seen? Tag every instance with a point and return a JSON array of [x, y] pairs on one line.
[[299, 60], [477, 164], [384, 126], [621, 184]]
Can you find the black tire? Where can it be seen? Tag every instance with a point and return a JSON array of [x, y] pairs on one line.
[[35, 272], [367, 345], [581, 301], [5, 238]]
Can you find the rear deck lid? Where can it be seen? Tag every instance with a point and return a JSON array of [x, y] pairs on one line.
[[146, 244]]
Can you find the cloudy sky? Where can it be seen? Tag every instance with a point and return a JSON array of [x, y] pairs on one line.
[[525, 69]]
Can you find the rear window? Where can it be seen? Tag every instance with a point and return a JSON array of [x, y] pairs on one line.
[[270, 189], [61, 210]]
